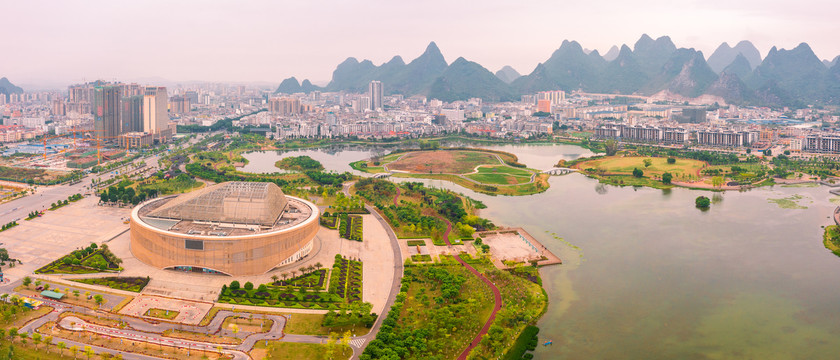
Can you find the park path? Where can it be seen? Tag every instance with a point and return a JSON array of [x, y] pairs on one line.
[[497, 295]]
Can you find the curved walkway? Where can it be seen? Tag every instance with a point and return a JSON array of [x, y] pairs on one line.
[[363, 340], [497, 295]]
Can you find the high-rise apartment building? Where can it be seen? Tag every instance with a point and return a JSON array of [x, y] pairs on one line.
[[375, 93], [155, 115], [106, 111], [284, 106], [131, 113], [179, 104]]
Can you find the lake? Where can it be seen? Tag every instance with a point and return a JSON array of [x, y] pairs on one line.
[[646, 275]]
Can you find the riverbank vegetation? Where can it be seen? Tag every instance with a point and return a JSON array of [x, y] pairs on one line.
[[831, 239], [299, 163]]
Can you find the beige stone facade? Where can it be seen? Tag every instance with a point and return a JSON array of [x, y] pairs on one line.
[[240, 251]]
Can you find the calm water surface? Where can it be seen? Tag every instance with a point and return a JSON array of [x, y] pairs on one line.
[[648, 276]]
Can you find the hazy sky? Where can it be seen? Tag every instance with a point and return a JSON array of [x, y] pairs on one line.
[[53, 43]]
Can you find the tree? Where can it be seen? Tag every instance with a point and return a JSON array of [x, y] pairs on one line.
[[638, 173], [666, 178], [13, 333], [36, 338], [27, 281], [717, 181], [89, 352], [98, 299], [647, 162], [61, 346], [249, 286], [749, 150], [234, 285], [702, 202], [75, 350], [48, 342], [672, 160], [611, 147]]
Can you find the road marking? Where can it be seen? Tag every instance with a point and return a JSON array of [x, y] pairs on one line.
[[357, 342]]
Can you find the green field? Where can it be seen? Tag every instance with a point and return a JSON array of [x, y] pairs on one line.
[[161, 314], [619, 165], [501, 175]]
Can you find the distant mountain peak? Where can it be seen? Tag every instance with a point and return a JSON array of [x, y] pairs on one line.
[[739, 67], [350, 60], [432, 51], [644, 40], [396, 60], [6, 87], [725, 55], [507, 74], [612, 53]]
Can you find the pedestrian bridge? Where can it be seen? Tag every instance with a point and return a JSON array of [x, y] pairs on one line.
[[559, 171], [381, 175]]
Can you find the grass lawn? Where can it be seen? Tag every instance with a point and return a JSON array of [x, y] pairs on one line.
[[618, 165], [501, 175], [538, 186], [161, 314], [416, 243], [277, 350], [28, 352], [310, 324], [443, 161], [24, 316]]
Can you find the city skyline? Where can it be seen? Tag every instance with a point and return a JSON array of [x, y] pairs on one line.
[[64, 43]]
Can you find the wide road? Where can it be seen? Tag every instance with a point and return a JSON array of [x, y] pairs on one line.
[[362, 341], [20, 208]]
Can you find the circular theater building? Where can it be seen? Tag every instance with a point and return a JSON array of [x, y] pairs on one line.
[[232, 228]]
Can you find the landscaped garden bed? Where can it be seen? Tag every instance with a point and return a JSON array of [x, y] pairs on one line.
[[304, 291], [314, 280], [161, 314], [330, 222], [89, 260], [135, 284], [350, 227], [420, 258]]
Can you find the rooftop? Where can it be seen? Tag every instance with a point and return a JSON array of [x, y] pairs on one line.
[[235, 202]]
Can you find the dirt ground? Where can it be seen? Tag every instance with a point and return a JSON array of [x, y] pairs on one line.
[[441, 161]]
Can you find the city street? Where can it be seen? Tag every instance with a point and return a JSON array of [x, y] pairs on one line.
[[45, 195]]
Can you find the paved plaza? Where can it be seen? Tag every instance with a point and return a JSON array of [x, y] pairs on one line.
[[39, 241], [189, 312], [511, 246]]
